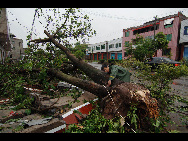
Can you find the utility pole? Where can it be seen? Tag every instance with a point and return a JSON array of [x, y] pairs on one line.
[[155, 26], [154, 29], [107, 49]]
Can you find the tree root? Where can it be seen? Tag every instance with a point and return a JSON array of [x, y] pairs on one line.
[[124, 96]]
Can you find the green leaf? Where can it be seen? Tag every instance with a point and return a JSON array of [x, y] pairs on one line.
[[76, 111], [157, 123]]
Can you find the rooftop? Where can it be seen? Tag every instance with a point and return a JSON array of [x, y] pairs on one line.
[[179, 14]]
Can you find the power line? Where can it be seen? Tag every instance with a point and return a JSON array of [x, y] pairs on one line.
[[110, 16], [20, 28], [23, 26], [16, 19]]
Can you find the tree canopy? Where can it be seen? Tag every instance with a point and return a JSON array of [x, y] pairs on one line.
[[145, 48]]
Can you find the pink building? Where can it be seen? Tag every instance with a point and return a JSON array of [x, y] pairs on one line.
[[169, 25]]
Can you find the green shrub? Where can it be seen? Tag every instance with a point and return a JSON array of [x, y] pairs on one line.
[[158, 82], [79, 54], [96, 123], [101, 61], [113, 60]]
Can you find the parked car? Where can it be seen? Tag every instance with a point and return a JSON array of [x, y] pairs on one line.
[[155, 61]]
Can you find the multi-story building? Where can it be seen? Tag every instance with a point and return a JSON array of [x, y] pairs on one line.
[[184, 39], [17, 50], [109, 49], [115, 48], [98, 51], [5, 46], [169, 25]]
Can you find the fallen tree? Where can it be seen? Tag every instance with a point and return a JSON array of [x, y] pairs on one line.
[[123, 94], [115, 100]]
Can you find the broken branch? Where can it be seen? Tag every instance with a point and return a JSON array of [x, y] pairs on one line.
[[40, 40], [89, 86]]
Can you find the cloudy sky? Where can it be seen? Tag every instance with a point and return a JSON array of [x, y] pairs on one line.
[[108, 22]]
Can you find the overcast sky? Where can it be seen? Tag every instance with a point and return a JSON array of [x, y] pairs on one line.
[[108, 22]]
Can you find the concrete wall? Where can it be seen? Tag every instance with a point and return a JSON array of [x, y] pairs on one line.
[[5, 45], [183, 38], [17, 50]]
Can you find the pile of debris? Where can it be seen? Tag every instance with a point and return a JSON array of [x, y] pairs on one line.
[[24, 121]]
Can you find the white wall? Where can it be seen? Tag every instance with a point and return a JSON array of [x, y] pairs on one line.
[[114, 41], [119, 40], [183, 38]]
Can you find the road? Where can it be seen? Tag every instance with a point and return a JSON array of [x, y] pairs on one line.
[[96, 65], [178, 87]]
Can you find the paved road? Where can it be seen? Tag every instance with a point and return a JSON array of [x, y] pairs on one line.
[[96, 65], [180, 87]]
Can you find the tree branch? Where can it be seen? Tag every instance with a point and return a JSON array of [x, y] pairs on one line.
[[61, 26], [96, 75], [41, 40], [89, 86]]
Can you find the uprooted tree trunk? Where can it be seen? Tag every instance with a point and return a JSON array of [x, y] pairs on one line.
[[123, 94]]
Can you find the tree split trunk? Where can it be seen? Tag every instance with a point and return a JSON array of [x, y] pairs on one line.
[[117, 99]]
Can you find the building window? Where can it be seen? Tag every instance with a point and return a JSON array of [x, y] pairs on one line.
[[146, 29], [97, 48], [89, 48], [111, 46], [116, 45], [166, 51], [127, 34], [169, 37], [119, 44], [103, 46], [20, 43], [186, 30]]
